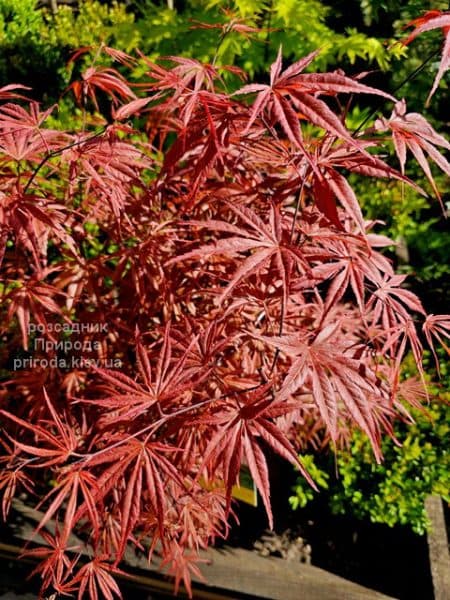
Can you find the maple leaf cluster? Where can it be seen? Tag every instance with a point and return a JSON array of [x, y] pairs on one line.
[[207, 258]]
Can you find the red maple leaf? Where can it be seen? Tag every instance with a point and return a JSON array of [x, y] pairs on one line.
[[107, 80], [291, 91], [412, 131], [267, 242], [339, 381], [240, 427]]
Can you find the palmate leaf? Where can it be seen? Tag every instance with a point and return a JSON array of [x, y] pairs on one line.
[[11, 479], [267, 242], [107, 80], [57, 561], [34, 299], [69, 488], [182, 565], [52, 448], [106, 166], [33, 221], [210, 341], [22, 135], [329, 184], [352, 263], [55, 449], [15, 118], [168, 380], [433, 19], [194, 510], [8, 92], [130, 109], [192, 73], [390, 304], [27, 144], [95, 580], [412, 131], [146, 466], [239, 429], [438, 327], [303, 91], [326, 367]]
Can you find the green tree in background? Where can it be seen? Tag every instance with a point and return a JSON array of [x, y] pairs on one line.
[[37, 42]]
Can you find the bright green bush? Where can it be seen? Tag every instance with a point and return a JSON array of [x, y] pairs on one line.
[[36, 43]]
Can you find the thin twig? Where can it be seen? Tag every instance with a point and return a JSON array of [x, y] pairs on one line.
[[54, 153], [407, 79]]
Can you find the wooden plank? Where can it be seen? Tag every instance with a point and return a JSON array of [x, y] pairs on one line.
[[438, 548], [232, 572], [236, 569]]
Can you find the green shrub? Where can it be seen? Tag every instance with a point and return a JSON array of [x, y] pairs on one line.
[[35, 44]]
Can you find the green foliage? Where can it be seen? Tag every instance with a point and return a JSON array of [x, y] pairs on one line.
[[24, 56], [399, 14], [403, 214], [430, 249], [376, 10], [18, 17], [303, 492], [423, 243], [91, 24], [394, 491], [36, 44], [298, 25], [398, 206]]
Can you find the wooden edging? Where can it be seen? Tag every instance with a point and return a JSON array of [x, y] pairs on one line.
[[438, 549], [146, 582], [230, 573]]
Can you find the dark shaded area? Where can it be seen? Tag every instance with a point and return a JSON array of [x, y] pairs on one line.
[[429, 255], [31, 64], [393, 561], [390, 560]]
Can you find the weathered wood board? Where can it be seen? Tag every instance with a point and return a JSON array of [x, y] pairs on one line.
[[235, 572]]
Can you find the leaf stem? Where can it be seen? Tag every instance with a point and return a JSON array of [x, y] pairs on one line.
[[54, 153], [407, 79]]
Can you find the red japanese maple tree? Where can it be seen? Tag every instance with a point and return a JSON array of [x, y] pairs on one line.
[[185, 286]]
